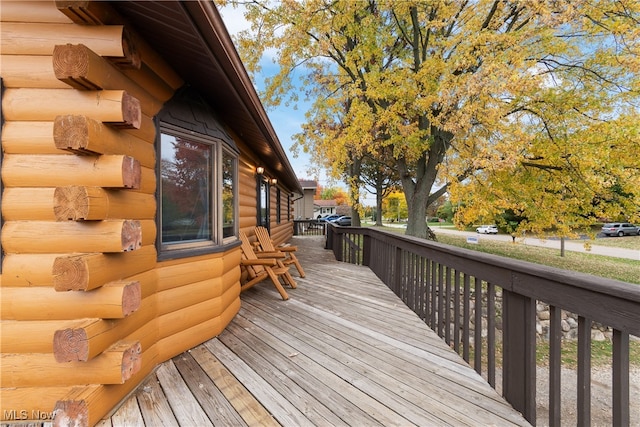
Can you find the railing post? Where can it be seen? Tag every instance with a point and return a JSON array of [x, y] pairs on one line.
[[328, 242], [519, 355], [366, 249]]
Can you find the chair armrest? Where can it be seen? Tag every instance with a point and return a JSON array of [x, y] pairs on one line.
[[287, 248], [270, 255], [263, 261]]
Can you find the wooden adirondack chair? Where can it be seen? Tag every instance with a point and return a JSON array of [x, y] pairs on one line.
[[267, 246], [259, 269]]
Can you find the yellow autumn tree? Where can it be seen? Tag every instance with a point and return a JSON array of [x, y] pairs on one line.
[[520, 105]]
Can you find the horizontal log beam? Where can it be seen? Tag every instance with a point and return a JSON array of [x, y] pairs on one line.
[[42, 400], [33, 237], [83, 135], [115, 107], [20, 204], [20, 71], [28, 138], [27, 270], [89, 271], [95, 203], [111, 41], [83, 69], [28, 337], [114, 366], [114, 300], [111, 171], [32, 11]]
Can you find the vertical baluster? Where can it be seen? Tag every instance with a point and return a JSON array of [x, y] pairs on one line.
[[434, 292], [491, 335], [412, 282], [456, 311], [447, 307], [466, 317], [422, 289], [621, 415], [477, 337], [441, 298], [555, 363], [584, 372], [427, 291]]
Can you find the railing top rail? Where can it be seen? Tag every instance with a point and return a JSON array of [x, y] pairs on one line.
[[590, 296]]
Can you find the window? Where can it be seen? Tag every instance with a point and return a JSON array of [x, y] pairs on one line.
[[263, 202], [197, 191]]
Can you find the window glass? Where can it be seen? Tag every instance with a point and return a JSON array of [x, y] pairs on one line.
[[263, 203], [197, 192], [186, 172], [278, 207], [228, 194]]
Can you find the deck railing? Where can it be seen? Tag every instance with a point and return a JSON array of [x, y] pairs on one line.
[[452, 289], [309, 227]]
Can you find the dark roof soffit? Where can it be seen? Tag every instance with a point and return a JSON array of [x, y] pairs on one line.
[[193, 38]]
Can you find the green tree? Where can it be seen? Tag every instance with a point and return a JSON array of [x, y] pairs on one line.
[[394, 207], [526, 106]]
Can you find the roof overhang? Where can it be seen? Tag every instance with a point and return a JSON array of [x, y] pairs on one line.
[[193, 39]]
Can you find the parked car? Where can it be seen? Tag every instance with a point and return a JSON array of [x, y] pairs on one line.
[[343, 220], [487, 229], [329, 218], [620, 229]]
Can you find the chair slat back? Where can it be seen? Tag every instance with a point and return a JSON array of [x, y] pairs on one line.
[[248, 253], [265, 239]]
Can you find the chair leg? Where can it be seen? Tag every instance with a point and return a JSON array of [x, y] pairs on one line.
[[297, 264], [277, 284]]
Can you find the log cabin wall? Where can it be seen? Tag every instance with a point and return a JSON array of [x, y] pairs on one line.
[[87, 310]]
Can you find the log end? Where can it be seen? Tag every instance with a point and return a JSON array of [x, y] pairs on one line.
[[71, 413], [71, 133], [71, 65], [71, 203], [131, 235], [131, 113], [131, 298], [71, 345], [131, 173], [131, 361], [70, 273]]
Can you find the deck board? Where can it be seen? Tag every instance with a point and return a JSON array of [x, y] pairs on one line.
[[343, 350]]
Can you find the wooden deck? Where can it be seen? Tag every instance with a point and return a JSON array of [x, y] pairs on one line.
[[343, 350]]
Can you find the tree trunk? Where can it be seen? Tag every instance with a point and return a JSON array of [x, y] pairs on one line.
[[418, 192], [354, 190], [379, 197], [417, 222]]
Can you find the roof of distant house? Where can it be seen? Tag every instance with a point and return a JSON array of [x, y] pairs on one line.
[[325, 203], [306, 184]]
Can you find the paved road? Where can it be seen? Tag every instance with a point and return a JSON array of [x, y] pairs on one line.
[[551, 243]]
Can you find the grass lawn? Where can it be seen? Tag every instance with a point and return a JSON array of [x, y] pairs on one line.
[[626, 270], [627, 242]]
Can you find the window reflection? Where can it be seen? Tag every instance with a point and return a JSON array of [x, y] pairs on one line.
[[186, 189]]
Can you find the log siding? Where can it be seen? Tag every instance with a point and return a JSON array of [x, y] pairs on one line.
[[88, 310]]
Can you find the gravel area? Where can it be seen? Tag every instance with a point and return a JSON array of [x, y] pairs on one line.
[[601, 414]]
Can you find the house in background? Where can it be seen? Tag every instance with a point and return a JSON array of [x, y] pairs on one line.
[[134, 151], [324, 207], [303, 207]]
